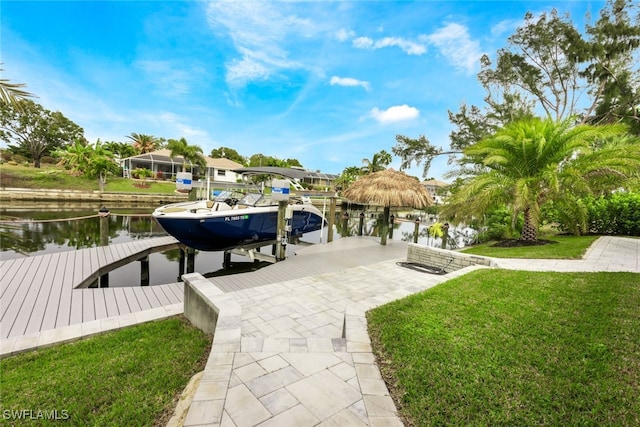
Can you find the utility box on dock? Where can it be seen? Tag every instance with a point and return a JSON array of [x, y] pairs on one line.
[[183, 181], [280, 189]]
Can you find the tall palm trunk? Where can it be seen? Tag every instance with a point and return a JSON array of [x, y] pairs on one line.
[[529, 229]]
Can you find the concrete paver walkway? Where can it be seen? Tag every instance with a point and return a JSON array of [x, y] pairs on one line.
[[607, 253]]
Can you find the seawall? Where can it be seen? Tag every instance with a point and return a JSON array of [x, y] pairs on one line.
[[30, 194]]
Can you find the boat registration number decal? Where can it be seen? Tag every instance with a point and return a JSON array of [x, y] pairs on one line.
[[236, 218]]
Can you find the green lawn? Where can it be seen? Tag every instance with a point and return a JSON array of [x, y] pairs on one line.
[[129, 377], [498, 347], [565, 247], [52, 177]]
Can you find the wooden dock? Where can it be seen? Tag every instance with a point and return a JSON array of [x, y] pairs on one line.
[[49, 291]]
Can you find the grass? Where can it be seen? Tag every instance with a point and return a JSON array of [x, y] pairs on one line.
[[127, 377], [567, 247], [53, 177], [499, 347]]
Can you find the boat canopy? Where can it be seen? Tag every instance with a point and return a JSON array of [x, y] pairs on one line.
[[272, 170]]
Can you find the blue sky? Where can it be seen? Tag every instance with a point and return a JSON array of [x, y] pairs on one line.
[[327, 83]]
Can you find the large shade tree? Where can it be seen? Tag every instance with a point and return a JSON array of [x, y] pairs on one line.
[[33, 131], [533, 161], [549, 67], [228, 153]]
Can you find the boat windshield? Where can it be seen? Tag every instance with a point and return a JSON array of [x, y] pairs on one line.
[[228, 197], [255, 199]]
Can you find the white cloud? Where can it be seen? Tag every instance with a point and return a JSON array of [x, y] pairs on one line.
[[259, 31], [176, 126], [343, 34], [456, 45], [506, 26], [397, 113], [363, 43], [409, 47], [348, 81], [172, 80]]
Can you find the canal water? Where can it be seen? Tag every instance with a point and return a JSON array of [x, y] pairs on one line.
[[30, 229]]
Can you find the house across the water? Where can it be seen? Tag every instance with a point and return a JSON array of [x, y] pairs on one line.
[[165, 167], [221, 170]]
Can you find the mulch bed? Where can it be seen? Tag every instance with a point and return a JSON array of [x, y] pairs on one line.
[[513, 243]]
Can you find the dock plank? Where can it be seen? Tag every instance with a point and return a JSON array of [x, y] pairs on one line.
[[75, 315], [88, 308], [132, 301], [66, 295], [46, 284], [93, 265], [151, 296], [141, 296], [99, 303], [169, 294], [81, 259], [31, 304], [11, 279], [14, 307], [53, 304], [5, 267], [176, 291], [159, 293], [121, 301], [102, 257], [110, 302]]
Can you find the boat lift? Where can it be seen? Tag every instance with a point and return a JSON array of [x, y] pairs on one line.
[[279, 192]]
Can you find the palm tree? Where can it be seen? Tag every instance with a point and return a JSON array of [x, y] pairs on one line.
[[144, 143], [11, 93], [75, 157], [190, 153], [532, 161], [379, 162], [348, 176], [102, 163]]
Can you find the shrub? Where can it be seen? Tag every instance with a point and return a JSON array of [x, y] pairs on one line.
[[618, 213], [48, 160], [18, 158], [141, 173], [48, 175]]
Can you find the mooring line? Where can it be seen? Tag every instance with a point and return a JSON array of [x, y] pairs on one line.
[[22, 220]]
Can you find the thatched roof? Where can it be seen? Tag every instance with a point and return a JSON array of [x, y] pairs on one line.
[[388, 188]]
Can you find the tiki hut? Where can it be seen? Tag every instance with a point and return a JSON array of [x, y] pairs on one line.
[[388, 188]]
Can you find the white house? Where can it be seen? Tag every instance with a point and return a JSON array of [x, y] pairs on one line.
[[164, 167], [435, 189]]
